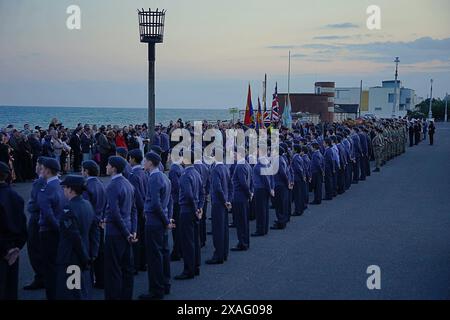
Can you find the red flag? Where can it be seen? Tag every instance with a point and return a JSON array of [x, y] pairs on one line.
[[249, 117]]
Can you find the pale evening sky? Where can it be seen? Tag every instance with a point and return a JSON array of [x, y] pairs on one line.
[[214, 48]]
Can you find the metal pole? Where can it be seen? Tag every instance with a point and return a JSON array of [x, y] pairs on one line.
[[446, 103], [360, 99], [397, 61], [151, 91], [430, 112]]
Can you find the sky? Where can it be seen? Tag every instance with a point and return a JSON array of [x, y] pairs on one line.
[[213, 49]]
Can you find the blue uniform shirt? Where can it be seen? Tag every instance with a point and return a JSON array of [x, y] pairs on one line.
[[221, 187], [242, 182], [96, 195], [51, 202], [121, 214], [157, 201], [191, 190], [175, 173]]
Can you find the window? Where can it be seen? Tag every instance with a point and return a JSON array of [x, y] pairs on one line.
[[378, 109], [391, 98], [408, 100]]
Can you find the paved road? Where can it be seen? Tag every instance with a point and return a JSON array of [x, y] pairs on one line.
[[398, 220]]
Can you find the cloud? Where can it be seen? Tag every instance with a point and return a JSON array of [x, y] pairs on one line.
[[283, 47], [345, 25], [331, 37], [298, 55]]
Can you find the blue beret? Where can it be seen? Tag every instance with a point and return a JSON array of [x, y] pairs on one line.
[[154, 158], [73, 181], [117, 162], [4, 168], [51, 163], [91, 165], [156, 149], [136, 154], [122, 152]]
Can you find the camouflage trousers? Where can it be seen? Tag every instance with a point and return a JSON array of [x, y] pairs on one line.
[[378, 153]]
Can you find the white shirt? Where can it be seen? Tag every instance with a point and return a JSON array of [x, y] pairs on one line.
[[154, 171], [52, 179]]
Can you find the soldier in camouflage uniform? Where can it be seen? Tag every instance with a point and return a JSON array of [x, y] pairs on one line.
[[378, 147]]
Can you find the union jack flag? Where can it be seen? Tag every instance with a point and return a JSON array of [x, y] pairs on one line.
[[275, 106]]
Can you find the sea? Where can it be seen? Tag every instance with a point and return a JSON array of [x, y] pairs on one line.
[[71, 116]]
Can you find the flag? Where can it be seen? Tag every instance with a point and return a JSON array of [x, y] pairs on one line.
[[249, 119], [259, 120], [275, 116], [287, 117]]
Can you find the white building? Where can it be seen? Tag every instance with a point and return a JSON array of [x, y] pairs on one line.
[[382, 99]]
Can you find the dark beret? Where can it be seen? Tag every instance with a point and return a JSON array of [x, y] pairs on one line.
[[91, 165], [51, 163], [297, 148], [156, 149], [4, 168], [281, 151], [73, 181], [154, 158], [136, 154], [117, 162], [122, 152], [41, 160]]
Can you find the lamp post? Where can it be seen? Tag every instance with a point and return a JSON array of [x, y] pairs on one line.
[[397, 61], [151, 30], [430, 112], [446, 110]]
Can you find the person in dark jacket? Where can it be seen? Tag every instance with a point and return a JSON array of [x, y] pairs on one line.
[[138, 180], [175, 173], [78, 243], [13, 235], [120, 232], [191, 205], [317, 173], [95, 193], [75, 145], [158, 222], [263, 189], [33, 245], [51, 204], [330, 169], [431, 132], [242, 196], [221, 196]]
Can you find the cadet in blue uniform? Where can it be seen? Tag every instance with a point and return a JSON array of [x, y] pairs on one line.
[[138, 180], [33, 247], [242, 194], [221, 190], [343, 165], [95, 193], [263, 190], [78, 242], [175, 172], [364, 155], [51, 204], [122, 152], [337, 164], [317, 172], [165, 147], [13, 235], [204, 173], [330, 168], [298, 169], [347, 143], [307, 169], [158, 221], [120, 232], [357, 155], [158, 150], [191, 207], [282, 186]]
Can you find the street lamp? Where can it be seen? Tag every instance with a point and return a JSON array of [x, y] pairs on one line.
[[430, 112], [446, 103], [151, 30], [397, 61]]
